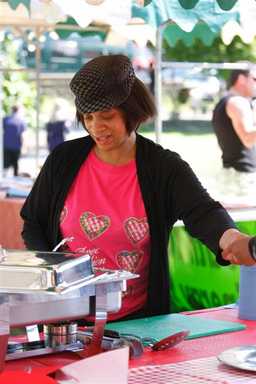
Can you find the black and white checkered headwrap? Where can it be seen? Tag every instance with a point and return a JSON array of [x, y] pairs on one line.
[[103, 83]]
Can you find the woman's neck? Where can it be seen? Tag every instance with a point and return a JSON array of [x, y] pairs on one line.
[[121, 155]]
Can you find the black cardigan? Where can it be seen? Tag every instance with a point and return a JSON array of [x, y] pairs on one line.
[[170, 191]]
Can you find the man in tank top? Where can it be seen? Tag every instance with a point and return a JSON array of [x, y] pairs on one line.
[[234, 125]]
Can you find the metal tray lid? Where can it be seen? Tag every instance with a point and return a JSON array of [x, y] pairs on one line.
[[34, 270]]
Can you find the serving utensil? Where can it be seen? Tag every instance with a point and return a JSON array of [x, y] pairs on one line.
[[166, 342]]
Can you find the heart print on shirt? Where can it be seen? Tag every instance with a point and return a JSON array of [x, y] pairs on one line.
[[94, 226], [136, 229]]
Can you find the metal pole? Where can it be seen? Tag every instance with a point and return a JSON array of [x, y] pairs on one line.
[[200, 65], [38, 90], [158, 83], [1, 127]]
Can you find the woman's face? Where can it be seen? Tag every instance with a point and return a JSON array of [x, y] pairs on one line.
[[107, 128]]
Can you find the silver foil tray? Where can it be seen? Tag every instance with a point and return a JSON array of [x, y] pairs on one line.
[[32, 271]]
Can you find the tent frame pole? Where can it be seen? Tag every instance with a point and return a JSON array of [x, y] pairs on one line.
[[1, 128], [38, 91], [158, 83]]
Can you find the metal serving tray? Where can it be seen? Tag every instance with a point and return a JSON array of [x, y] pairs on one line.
[[23, 271], [42, 287], [49, 286]]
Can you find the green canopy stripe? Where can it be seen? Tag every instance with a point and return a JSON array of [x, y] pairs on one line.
[[65, 33], [172, 34], [188, 4], [226, 4], [14, 3]]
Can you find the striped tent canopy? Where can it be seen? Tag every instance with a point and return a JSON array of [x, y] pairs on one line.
[[14, 3], [188, 20], [75, 15], [186, 4], [185, 20]]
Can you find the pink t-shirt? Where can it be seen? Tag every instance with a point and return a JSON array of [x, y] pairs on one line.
[[105, 214]]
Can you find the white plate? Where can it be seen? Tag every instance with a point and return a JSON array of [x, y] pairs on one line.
[[243, 357]]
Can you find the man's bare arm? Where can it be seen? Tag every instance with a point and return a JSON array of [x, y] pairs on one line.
[[239, 111]]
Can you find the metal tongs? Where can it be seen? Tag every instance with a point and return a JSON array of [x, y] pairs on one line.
[[159, 345], [113, 340], [166, 342]]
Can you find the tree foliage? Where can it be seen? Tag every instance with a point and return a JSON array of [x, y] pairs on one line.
[[17, 88], [217, 52]]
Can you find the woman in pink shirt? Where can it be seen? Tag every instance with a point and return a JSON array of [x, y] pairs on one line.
[[119, 194]]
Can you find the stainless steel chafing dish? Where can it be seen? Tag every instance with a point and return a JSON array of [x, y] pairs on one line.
[[47, 287], [26, 271]]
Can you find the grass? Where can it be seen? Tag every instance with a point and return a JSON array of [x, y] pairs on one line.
[[196, 142], [188, 127]]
